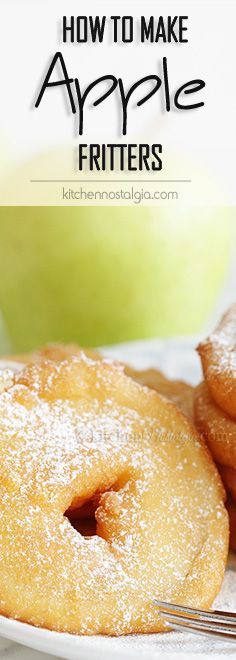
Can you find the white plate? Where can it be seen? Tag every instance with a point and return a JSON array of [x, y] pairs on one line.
[[178, 359]]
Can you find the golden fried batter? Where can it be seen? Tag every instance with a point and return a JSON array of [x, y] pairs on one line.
[[217, 428], [54, 352], [80, 432], [228, 476], [176, 390], [218, 356], [179, 392], [231, 508]]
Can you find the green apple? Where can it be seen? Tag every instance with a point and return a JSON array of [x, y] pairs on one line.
[[99, 275]]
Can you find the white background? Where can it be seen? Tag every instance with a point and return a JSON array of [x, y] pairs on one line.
[[198, 144]]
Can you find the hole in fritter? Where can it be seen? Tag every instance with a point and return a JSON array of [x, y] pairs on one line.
[[83, 519], [81, 514]]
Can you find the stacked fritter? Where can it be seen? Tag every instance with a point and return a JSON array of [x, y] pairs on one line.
[[215, 405]]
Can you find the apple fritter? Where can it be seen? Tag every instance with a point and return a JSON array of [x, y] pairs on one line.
[[80, 431], [218, 356]]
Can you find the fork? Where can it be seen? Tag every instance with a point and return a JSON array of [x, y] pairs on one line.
[[214, 623]]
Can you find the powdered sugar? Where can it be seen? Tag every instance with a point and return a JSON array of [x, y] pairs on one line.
[[73, 429], [224, 342]]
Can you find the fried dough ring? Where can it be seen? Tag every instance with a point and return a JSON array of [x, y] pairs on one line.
[[218, 356], [217, 428], [80, 428], [178, 391], [55, 352]]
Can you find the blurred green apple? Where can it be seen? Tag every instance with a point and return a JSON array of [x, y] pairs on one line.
[[99, 275]]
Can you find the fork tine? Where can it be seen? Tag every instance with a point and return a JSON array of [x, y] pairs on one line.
[[213, 623], [198, 623], [211, 632], [205, 615]]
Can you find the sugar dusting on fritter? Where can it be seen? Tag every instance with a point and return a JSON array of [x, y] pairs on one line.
[[69, 430], [218, 356], [223, 341]]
